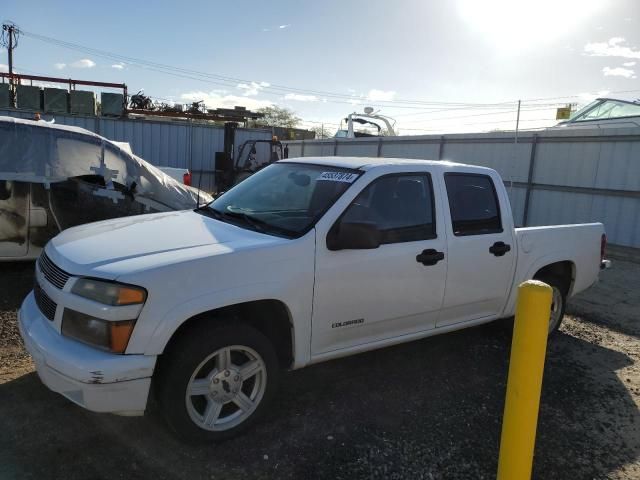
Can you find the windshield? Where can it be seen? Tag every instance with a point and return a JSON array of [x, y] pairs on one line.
[[283, 199], [607, 109]]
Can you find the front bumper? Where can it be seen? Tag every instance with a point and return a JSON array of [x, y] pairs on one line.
[[96, 380]]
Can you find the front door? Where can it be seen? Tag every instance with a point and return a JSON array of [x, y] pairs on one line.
[[368, 295]]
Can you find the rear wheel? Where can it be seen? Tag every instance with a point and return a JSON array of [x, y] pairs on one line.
[[216, 382], [558, 300]]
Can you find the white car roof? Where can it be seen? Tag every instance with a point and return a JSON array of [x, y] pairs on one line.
[[368, 163]]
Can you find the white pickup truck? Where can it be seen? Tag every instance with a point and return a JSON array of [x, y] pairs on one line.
[[308, 260]]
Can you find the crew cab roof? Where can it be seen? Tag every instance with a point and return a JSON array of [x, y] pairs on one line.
[[369, 163]]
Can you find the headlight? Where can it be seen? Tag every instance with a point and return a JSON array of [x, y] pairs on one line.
[[104, 334], [109, 293]]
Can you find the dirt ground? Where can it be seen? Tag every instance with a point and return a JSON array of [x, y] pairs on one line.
[[430, 409]]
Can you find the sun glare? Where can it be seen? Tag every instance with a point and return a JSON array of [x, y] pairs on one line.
[[518, 24]]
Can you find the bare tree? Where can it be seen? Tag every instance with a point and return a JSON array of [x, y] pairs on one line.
[[323, 132], [275, 116]]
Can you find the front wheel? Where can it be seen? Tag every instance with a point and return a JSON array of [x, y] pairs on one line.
[[216, 381]]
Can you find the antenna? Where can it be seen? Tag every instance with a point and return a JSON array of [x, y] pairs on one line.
[[199, 184]]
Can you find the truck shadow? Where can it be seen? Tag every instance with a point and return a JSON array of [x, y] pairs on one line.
[[614, 303], [431, 407], [611, 319], [16, 281]]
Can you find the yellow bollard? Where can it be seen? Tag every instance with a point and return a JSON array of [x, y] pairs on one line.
[[524, 384]]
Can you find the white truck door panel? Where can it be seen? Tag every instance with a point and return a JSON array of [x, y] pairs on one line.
[[482, 250], [365, 295]]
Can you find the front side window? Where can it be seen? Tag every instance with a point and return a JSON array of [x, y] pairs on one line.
[[285, 199], [473, 204], [400, 206]]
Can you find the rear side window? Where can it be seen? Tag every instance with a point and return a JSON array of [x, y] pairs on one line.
[[473, 204]]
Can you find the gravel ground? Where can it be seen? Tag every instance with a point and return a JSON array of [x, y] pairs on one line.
[[428, 409]]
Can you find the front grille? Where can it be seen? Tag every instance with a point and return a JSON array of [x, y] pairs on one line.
[[44, 302], [54, 274]]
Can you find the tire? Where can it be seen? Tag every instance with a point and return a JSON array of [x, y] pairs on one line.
[[558, 302], [236, 369]]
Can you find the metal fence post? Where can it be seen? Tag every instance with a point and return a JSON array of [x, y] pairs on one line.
[[527, 198], [441, 149], [190, 159], [379, 146], [302, 149], [335, 148]]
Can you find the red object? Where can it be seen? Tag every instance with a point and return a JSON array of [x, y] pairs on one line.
[[186, 178], [603, 246]]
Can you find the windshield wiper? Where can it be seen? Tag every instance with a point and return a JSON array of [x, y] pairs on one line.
[[252, 222], [255, 223]]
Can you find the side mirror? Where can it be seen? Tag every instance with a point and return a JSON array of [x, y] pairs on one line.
[[353, 236]]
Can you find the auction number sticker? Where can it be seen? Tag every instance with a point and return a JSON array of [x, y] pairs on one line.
[[338, 177]]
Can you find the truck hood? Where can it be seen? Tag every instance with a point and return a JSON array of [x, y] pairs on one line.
[[114, 247]]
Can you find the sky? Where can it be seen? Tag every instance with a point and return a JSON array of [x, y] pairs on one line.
[[433, 66]]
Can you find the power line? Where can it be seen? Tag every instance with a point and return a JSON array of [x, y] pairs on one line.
[[275, 89], [233, 81], [479, 123], [490, 122], [503, 112], [503, 109]]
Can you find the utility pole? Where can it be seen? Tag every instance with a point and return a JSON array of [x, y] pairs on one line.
[[515, 148], [10, 49], [9, 40]]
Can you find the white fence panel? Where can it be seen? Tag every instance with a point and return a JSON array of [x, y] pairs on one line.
[[418, 150], [358, 148], [553, 177], [511, 161]]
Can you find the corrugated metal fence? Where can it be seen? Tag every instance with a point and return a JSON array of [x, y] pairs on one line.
[[163, 143], [553, 176]]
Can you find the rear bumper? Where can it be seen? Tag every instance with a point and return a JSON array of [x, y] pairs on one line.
[[96, 380]]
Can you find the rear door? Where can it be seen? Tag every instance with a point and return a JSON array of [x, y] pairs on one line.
[[482, 253]]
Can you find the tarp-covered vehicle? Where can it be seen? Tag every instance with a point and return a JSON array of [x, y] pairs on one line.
[[53, 177]]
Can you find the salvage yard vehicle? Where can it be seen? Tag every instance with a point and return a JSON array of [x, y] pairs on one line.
[[305, 261], [245, 166], [605, 113], [53, 177]]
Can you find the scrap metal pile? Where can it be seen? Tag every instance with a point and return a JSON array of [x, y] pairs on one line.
[[53, 177]]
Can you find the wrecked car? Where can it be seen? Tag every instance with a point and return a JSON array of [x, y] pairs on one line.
[[53, 177]]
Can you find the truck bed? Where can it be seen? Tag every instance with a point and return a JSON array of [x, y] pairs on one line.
[[540, 246]]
